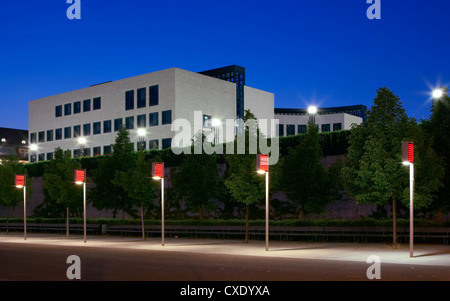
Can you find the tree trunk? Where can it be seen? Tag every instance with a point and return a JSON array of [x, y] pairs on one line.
[[439, 215], [247, 210], [7, 221], [394, 223], [142, 222], [301, 213], [67, 220]]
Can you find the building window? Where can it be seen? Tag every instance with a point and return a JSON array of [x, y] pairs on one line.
[[96, 151], [207, 119], [153, 144], [107, 149], [302, 128], [290, 129], [107, 126], [49, 135], [58, 134], [129, 123], [141, 122], [97, 103], [76, 153], [117, 124], [41, 157], [166, 143], [76, 131], [166, 117], [154, 95], [58, 111], [141, 97], [325, 128], [86, 105], [337, 126], [49, 156], [86, 129], [96, 128], [67, 109], [140, 145], [153, 119], [33, 138], [77, 107], [280, 130], [129, 100], [67, 132], [86, 152], [41, 136]]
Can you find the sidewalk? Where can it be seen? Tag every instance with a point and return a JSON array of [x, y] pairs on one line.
[[424, 254]]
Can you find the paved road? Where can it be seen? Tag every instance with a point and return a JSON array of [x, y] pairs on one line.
[[44, 258]]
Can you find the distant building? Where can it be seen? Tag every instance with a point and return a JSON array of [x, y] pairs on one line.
[[13, 141], [149, 102], [294, 121]]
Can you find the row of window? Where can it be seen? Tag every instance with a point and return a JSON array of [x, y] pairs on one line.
[[301, 128], [75, 108], [141, 98], [107, 149], [87, 130]]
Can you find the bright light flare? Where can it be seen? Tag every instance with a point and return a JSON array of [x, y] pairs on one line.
[[141, 132], [312, 109], [438, 93]]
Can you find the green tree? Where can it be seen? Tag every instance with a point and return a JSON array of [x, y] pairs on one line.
[[105, 194], [437, 128], [10, 196], [197, 179], [138, 185], [245, 185], [304, 178], [58, 182], [373, 171]]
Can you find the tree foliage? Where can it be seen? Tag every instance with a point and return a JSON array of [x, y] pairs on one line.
[[304, 178]]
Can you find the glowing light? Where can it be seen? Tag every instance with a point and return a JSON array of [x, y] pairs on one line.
[[82, 140], [437, 93], [312, 109], [33, 147], [216, 122], [141, 132]]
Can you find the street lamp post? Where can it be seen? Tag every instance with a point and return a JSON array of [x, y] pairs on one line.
[[80, 179], [158, 174], [408, 159], [21, 183], [262, 167]]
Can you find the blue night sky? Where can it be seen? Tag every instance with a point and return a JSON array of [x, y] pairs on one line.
[[323, 52]]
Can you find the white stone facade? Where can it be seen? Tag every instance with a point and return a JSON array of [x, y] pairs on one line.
[[179, 92]]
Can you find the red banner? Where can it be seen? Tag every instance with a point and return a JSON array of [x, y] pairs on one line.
[[158, 170], [80, 176], [20, 180], [262, 163]]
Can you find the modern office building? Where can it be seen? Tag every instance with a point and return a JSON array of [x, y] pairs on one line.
[[15, 142], [294, 121], [146, 105]]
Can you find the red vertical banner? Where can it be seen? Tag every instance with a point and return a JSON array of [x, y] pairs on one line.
[[20, 181], [158, 170], [262, 163], [80, 176], [408, 151]]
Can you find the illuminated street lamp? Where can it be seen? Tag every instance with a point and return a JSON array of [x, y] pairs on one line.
[[82, 141], [33, 148], [408, 159], [262, 167], [437, 93], [312, 111], [20, 182], [141, 134], [216, 124], [158, 175], [80, 179]]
